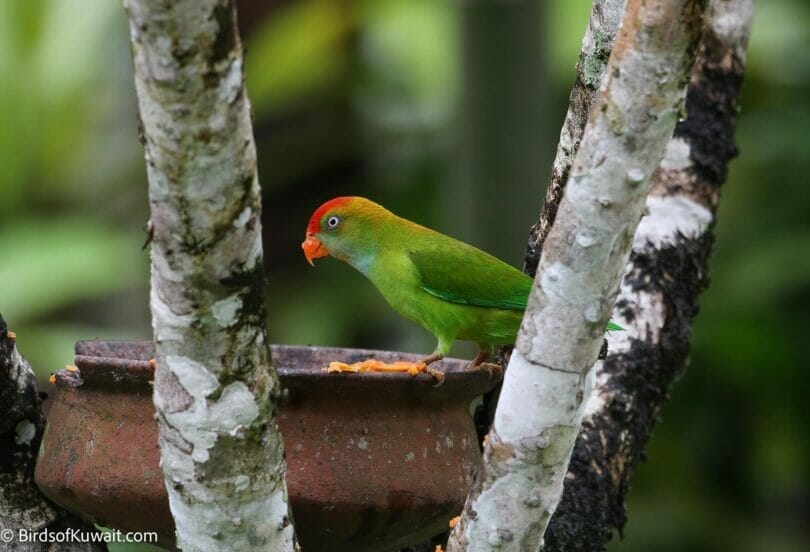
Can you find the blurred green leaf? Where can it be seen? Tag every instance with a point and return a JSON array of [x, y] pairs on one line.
[[49, 264], [779, 43], [410, 48], [563, 32], [296, 52], [48, 69]]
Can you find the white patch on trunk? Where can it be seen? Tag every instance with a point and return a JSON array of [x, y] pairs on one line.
[[670, 217], [243, 218], [161, 266], [255, 252], [24, 432], [225, 311], [731, 22], [676, 155], [230, 86], [241, 483], [167, 325], [203, 422], [596, 401], [646, 322], [544, 398]]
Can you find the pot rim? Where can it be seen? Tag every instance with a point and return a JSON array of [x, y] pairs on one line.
[[113, 363]]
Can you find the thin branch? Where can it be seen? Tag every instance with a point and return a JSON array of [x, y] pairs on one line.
[[658, 297], [24, 510], [600, 36], [541, 405], [215, 386]]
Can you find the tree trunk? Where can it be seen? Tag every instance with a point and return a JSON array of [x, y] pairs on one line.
[[541, 405], [215, 387], [597, 44], [658, 296], [24, 511]]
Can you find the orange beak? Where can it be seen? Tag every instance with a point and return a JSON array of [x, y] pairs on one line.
[[313, 249]]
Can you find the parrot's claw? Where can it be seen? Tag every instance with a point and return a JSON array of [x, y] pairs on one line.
[[488, 367], [438, 375]]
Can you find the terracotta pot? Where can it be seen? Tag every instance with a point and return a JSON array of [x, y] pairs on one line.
[[375, 461]]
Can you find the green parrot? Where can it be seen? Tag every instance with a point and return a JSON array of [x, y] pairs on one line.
[[450, 288]]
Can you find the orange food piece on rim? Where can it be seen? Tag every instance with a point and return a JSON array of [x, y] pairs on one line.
[[373, 365]]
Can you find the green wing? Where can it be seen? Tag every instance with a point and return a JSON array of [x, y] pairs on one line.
[[460, 273]]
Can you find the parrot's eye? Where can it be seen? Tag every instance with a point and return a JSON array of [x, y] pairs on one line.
[[332, 222]]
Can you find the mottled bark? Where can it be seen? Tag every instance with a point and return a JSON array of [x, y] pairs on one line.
[[583, 258], [215, 386], [596, 48], [23, 508], [659, 294]]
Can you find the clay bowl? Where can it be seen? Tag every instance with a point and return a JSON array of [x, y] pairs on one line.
[[374, 461]]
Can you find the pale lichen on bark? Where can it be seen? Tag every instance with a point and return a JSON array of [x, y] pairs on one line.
[[658, 297], [583, 258], [215, 387], [23, 508]]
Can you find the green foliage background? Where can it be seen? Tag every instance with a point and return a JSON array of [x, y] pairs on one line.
[[367, 98]]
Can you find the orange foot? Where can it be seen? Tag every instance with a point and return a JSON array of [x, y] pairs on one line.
[[372, 365]]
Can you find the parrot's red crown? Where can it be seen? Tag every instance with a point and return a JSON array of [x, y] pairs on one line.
[[314, 225]]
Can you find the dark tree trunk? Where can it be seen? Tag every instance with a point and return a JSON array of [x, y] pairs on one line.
[[23, 508]]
